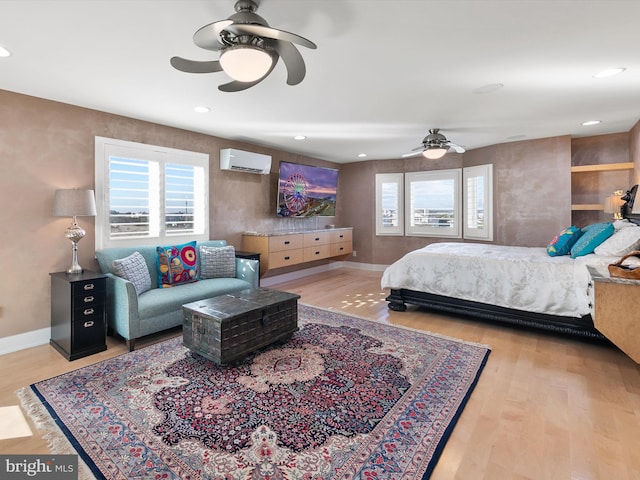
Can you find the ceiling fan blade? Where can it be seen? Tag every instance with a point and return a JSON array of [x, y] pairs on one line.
[[274, 33], [193, 66], [208, 37], [457, 148], [407, 155], [292, 59], [236, 86]]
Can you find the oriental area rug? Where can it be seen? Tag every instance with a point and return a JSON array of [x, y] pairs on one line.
[[344, 398]]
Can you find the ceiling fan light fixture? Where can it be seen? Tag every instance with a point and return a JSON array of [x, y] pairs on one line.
[[245, 63], [433, 153]]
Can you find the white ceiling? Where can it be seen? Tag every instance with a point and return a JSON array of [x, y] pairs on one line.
[[385, 71]]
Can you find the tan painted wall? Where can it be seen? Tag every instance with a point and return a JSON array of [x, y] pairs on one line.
[[46, 145]]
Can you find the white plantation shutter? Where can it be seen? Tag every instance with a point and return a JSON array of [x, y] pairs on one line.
[[145, 192]]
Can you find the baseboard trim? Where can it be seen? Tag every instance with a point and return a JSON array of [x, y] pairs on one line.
[[34, 338]]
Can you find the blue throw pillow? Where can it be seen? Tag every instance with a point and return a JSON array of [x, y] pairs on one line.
[[562, 243], [177, 264], [592, 236]]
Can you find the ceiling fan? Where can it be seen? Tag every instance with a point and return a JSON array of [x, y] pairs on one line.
[[249, 49], [435, 145]]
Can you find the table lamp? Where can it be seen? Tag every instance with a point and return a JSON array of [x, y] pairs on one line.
[[74, 203]]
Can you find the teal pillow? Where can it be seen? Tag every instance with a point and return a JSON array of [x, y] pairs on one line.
[[592, 236], [177, 264], [562, 243]]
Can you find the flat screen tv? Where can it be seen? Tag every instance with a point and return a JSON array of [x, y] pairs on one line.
[[306, 191]]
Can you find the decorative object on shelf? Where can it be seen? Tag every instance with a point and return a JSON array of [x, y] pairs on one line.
[[74, 203], [619, 270], [613, 204], [249, 49]]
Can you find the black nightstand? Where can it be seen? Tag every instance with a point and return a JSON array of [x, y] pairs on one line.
[[78, 305]]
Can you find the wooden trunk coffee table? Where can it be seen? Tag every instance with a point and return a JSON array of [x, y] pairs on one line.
[[226, 328]]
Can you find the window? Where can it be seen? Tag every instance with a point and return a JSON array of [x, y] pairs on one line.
[[478, 202], [145, 192], [389, 204], [433, 203]]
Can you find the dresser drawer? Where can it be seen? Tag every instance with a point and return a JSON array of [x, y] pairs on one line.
[[316, 238], [88, 332], [285, 242], [317, 253], [88, 287], [340, 236], [341, 248], [283, 259]]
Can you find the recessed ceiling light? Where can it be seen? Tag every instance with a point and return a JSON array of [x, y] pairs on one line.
[[490, 88], [362, 155], [609, 72], [4, 52], [202, 109], [299, 137], [591, 122]]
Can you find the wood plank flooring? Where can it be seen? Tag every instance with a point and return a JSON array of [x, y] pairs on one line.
[[545, 407]]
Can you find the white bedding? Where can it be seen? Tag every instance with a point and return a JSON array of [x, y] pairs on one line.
[[522, 278]]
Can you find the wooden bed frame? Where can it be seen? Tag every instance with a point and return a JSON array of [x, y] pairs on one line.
[[581, 327]]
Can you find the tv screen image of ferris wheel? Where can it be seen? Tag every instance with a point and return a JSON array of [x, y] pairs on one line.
[[306, 191]]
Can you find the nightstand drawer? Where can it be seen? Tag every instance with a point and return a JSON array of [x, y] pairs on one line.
[[88, 332]]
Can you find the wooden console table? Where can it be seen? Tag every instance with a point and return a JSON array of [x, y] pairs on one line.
[[282, 249], [615, 311]]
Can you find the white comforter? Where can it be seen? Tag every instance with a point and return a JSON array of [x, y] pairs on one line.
[[522, 278]]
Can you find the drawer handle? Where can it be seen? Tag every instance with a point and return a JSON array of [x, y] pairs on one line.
[[88, 324], [88, 311], [286, 242], [287, 258], [341, 248], [88, 299], [341, 236], [317, 239], [89, 286], [317, 253]]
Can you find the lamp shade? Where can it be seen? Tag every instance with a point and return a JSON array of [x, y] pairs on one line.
[[245, 63], [73, 202]]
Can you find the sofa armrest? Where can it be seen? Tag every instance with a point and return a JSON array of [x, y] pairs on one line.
[[122, 307], [248, 270]]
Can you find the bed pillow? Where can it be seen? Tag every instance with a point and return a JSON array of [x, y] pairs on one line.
[[592, 236], [623, 241], [177, 264], [134, 269], [562, 243], [217, 262]]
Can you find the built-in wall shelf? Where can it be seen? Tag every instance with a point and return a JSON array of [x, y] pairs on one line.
[[604, 167], [588, 206]]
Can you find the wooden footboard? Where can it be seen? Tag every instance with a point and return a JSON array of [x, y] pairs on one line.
[[581, 327]]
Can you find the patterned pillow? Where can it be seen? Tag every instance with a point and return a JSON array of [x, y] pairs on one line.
[[623, 241], [217, 262], [562, 243], [592, 236], [177, 264], [134, 269]]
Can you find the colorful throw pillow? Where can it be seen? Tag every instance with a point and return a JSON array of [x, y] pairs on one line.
[[592, 236], [622, 242], [562, 243], [177, 264], [217, 262], [134, 269]]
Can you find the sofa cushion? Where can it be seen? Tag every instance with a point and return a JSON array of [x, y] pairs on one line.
[[217, 262], [177, 264], [159, 301], [134, 269]]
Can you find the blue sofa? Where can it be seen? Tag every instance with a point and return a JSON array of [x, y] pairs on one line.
[[133, 316]]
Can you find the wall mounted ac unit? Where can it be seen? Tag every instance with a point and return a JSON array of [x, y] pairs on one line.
[[240, 161]]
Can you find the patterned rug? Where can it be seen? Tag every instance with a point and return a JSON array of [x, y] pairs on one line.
[[345, 398]]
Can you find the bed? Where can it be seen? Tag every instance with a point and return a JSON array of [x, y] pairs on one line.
[[522, 286]]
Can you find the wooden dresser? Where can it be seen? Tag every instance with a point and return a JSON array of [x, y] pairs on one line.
[[282, 249], [614, 308]]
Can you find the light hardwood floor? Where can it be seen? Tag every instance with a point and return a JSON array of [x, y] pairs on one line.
[[545, 407]]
